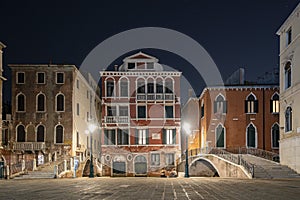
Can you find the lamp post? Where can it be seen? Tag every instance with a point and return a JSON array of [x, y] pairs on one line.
[[187, 130], [91, 128]]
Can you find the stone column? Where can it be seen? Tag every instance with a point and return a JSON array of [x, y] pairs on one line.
[[65, 165], [55, 171], [34, 165]]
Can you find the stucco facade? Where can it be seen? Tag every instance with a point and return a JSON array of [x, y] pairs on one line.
[[52, 106], [289, 63], [140, 118]]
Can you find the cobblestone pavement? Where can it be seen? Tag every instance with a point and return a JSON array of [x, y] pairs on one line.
[[150, 188]]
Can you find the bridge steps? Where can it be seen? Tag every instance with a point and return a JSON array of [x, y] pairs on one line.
[[264, 168]]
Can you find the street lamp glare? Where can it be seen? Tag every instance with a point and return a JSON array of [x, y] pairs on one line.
[[187, 128]]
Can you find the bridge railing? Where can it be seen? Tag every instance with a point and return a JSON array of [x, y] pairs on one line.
[[235, 158], [256, 152]]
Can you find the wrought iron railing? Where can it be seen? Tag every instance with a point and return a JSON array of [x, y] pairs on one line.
[[29, 146], [256, 152]]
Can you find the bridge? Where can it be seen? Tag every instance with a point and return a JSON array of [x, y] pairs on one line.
[[224, 163]]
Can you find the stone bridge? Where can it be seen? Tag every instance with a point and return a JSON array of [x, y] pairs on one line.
[[212, 165]]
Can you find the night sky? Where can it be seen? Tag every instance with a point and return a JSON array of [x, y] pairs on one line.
[[236, 33]]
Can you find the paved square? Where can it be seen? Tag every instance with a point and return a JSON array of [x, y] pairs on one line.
[[150, 188]]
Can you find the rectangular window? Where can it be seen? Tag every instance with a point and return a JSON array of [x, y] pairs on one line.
[[169, 136], [155, 159], [141, 111], [150, 65], [111, 111], [77, 139], [123, 111], [123, 138], [77, 84], [60, 77], [109, 137], [41, 78], [77, 109], [169, 159], [202, 111], [131, 65], [142, 136], [20, 77], [169, 112], [289, 37]]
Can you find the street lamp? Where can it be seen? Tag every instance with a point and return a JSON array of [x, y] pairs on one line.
[[92, 128], [187, 130]]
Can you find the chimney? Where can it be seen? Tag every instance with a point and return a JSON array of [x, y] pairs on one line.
[[116, 67]]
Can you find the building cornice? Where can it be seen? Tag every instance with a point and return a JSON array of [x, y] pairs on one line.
[[2, 46], [287, 21], [117, 73]]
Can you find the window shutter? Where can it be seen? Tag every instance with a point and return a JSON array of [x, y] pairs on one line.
[[256, 106], [113, 137], [215, 107], [119, 137], [246, 109], [147, 136], [164, 135], [174, 136], [224, 106], [105, 137], [271, 106], [136, 138]]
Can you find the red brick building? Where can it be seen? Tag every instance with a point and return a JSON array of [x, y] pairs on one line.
[[140, 117], [240, 116]]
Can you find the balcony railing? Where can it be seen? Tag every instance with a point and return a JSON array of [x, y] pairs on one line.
[[29, 146], [116, 119], [155, 97]]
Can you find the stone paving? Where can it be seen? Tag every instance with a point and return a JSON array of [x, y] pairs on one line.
[[150, 188]]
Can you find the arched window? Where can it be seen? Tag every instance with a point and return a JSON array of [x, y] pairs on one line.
[[110, 87], [40, 134], [168, 85], [140, 86], [288, 119], [159, 86], [288, 75], [251, 136], [220, 136], [275, 136], [21, 133], [21, 102], [220, 105], [41, 102], [59, 134], [150, 86], [251, 104], [274, 104], [124, 87], [60, 102]]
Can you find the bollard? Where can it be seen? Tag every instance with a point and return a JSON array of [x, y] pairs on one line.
[[65, 165], [34, 165]]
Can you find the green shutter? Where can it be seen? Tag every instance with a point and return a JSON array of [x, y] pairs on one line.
[[105, 137], [136, 138], [246, 108], [256, 106], [147, 136], [174, 136], [164, 136], [119, 137], [224, 106], [113, 137]]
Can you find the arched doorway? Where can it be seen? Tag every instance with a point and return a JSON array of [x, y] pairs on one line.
[[140, 165], [119, 166]]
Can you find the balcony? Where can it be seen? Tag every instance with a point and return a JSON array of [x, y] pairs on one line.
[[29, 146], [116, 119], [155, 97]]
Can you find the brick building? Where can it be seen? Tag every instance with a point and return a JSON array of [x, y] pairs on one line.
[[240, 116], [52, 106], [140, 118]]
